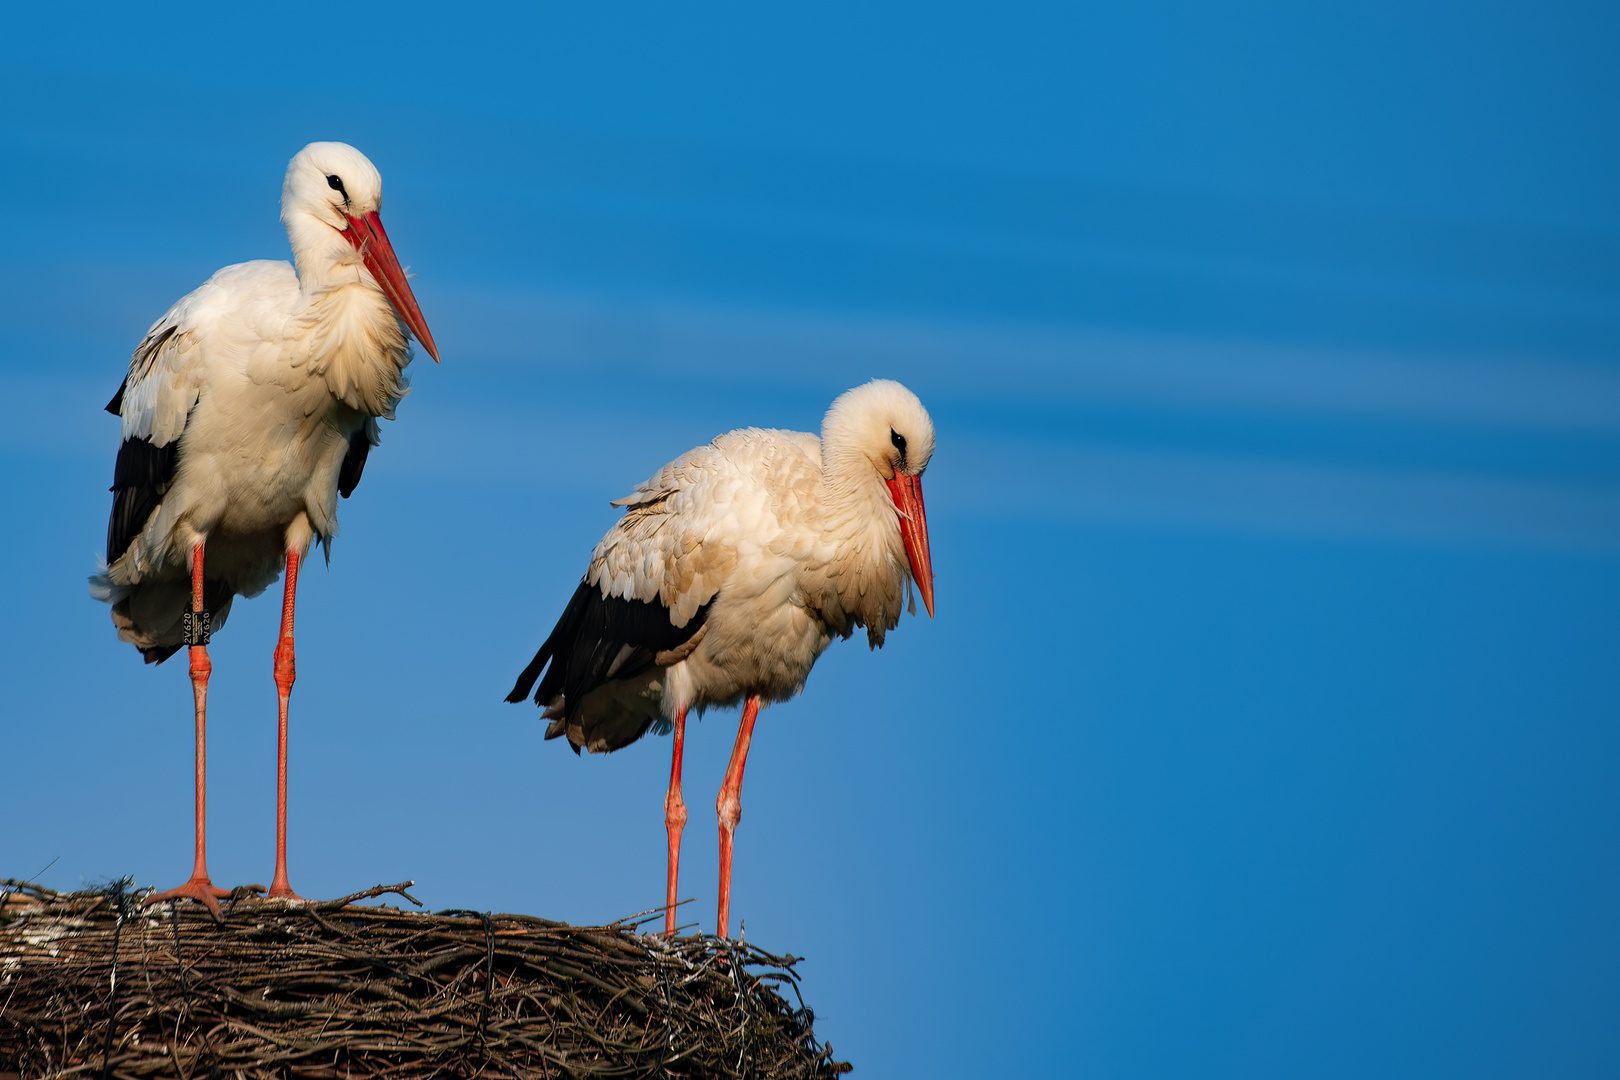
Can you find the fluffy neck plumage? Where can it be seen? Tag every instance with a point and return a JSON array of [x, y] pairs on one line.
[[356, 340], [865, 579]]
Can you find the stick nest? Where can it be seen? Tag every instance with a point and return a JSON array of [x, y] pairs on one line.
[[96, 984]]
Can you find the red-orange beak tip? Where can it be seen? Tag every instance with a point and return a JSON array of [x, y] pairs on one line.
[[367, 235], [908, 500]]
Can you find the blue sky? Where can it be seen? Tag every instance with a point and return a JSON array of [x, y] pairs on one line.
[[1268, 725]]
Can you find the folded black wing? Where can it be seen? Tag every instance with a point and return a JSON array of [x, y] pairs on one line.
[[599, 639], [354, 462], [142, 474]]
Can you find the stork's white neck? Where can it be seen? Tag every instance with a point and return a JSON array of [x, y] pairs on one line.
[[323, 255], [356, 341], [326, 184], [864, 583]]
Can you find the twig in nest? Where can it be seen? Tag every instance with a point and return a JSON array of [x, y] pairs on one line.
[[370, 894]]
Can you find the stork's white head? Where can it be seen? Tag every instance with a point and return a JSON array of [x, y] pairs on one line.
[[331, 181], [329, 203], [884, 425]]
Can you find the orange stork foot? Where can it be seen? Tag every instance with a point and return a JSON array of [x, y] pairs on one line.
[[200, 889], [280, 890]]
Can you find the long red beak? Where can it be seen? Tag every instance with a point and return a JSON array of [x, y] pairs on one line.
[[366, 234], [907, 492]]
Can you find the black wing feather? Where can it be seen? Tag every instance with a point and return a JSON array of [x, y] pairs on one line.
[[354, 462], [597, 640], [141, 476]]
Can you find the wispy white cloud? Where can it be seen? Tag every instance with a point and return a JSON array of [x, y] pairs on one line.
[[1021, 362], [1002, 477], [636, 350], [990, 473]]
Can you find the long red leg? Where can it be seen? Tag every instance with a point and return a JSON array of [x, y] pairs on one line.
[[198, 887], [286, 671], [728, 807], [674, 820]]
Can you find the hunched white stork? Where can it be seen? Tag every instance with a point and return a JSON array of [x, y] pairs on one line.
[[733, 568], [248, 409]]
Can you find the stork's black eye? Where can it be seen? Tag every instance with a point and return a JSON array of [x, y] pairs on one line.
[[899, 441], [336, 184]]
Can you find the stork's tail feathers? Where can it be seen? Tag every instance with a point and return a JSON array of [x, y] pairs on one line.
[[556, 709], [102, 587], [159, 653], [148, 616]]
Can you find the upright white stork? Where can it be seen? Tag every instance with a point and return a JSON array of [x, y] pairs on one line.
[[733, 567], [248, 408]]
